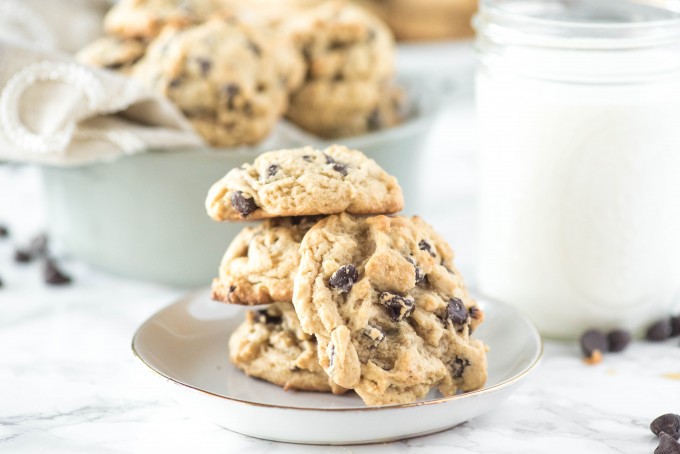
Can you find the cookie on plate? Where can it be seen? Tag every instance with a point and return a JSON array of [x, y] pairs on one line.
[[390, 313], [146, 18], [110, 52], [304, 182], [270, 345], [260, 264], [224, 77], [330, 109]]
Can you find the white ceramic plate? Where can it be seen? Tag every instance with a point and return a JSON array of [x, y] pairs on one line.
[[186, 345]]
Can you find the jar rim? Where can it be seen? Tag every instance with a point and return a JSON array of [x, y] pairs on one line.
[[509, 21]]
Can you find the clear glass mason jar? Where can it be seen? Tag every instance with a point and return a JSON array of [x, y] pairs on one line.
[[579, 133]]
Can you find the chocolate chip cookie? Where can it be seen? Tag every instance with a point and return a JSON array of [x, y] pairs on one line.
[[260, 264], [223, 75], [304, 182], [271, 345], [146, 18], [344, 109], [390, 313], [109, 52]]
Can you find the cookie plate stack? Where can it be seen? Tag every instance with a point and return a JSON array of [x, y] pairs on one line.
[[358, 299]]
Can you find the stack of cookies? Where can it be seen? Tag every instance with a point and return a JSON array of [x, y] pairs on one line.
[[358, 299], [233, 69]]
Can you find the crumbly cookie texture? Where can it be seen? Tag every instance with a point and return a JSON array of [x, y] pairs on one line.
[[260, 264], [344, 109], [110, 52], [304, 182], [270, 345], [390, 313], [146, 18], [341, 42], [224, 77]]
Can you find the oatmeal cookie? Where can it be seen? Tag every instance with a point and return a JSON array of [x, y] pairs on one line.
[[270, 345], [260, 264], [304, 182], [390, 313], [109, 52]]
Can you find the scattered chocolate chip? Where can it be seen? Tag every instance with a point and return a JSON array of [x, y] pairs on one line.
[[260, 87], [593, 344], [232, 288], [374, 120], [341, 169], [231, 91], [243, 204], [459, 366], [474, 312], [456, 311], [675, 326], [272, 170], [669, 423], [344, 278], [618, 340], [399, 307], [308, 158], [420, 276], [659, 331], [329, 160], [53, 275], [425, 246], [263, 316], [255, 48], [22, 256], [4, 231], [204, 64], [667, 445]]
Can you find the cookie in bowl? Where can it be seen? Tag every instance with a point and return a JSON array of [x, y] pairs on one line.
[[270, 345], [304, 182], [223, 75], [391, 314]]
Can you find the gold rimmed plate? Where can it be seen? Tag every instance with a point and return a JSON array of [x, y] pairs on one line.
[[185, 344]]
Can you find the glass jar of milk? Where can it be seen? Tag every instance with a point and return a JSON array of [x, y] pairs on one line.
[[579, 120]]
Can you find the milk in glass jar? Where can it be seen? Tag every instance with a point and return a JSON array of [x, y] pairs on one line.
[[579, 133]]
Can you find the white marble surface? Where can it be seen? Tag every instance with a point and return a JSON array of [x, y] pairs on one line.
[[69, 383]]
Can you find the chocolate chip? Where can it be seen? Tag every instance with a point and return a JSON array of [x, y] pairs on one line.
[[459, 366], [618, 340], [329, 160], [374, 120], [255, 48], [272, 170], [174, 83], [420, 276], [231, 91], [263, 316], [308, 158], [474, 312], [338, 77], [243, 204], [4, 231], [669, 423], [667, 445], [204, 64], [337, 166], [344, 278], [375, 333], [593, 344], [456, 311], [659, 331], [53, 275], [675, 326], [337, 45], [399, 307], [22, 256], [425, 246]]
